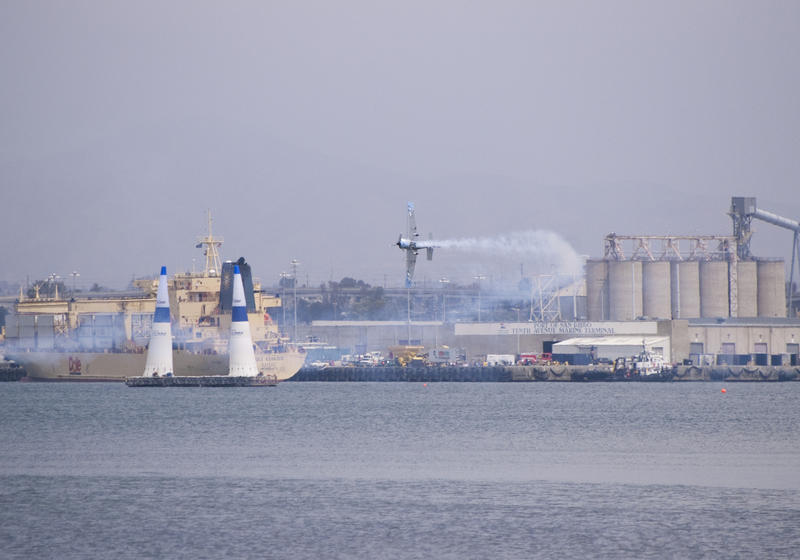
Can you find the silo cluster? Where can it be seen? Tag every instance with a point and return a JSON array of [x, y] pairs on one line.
[[626, 289]]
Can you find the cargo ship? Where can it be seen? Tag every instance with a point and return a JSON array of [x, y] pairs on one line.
[[104, 338]]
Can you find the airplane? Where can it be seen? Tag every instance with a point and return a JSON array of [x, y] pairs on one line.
[[411, 245]]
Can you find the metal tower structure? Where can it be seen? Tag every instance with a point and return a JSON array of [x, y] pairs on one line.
[[743, 210], [674, 248], [210, 246]]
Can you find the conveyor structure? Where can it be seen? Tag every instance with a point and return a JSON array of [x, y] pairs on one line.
[[743, 210]]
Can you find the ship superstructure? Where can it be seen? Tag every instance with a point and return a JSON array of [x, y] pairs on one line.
[[120, 325]]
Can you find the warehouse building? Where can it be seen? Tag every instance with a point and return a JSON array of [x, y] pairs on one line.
[[612, 347]]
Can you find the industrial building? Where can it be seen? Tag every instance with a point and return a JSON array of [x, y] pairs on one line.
[[612, 347], [682, 282], [701, 298], [732, 341]]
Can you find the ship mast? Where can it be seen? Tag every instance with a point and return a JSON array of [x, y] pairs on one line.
[[210, 247]]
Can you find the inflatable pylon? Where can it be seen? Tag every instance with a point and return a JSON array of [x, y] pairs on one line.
[[240, 349], [159, 351]]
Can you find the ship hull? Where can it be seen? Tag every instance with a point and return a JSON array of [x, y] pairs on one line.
[[110, 366]]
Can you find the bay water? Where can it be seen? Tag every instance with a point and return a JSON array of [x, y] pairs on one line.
[[401, 470]]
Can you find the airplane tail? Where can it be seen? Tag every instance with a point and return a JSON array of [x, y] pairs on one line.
[[430, 249]]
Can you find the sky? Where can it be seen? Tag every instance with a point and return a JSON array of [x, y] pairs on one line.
[[305, 127]]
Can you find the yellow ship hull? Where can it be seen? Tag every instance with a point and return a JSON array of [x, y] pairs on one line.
[[116, 366]]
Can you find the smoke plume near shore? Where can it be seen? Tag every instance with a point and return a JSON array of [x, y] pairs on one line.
[[546, 251]]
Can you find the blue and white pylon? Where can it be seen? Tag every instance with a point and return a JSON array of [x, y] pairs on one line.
[[240, 349], [159, 352]]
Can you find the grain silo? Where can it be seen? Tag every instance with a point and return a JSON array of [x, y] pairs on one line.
[[656, 290], [714, 289], [625, 290], [685, 290], [747, 289], [597, 289], [689, 277], [771, 288]]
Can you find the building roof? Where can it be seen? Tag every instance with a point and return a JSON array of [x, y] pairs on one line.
[[374, 323], [613, 341], [745, 322]]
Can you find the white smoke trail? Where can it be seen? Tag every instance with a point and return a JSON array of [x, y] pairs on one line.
[[547, 251]]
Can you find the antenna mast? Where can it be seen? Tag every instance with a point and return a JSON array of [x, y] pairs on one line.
[[210, 247]]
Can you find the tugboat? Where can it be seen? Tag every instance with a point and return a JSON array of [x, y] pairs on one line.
[[647, 366]]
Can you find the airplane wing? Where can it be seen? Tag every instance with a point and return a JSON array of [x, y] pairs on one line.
[[412, 222], [411, 260]]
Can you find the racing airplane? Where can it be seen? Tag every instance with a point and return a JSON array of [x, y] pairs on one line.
[[411, 245]]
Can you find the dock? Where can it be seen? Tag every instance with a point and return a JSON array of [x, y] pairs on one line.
[[549, 373], [11, 372], [203, 381]]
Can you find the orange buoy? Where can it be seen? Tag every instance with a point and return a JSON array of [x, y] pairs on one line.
[[723, 391]]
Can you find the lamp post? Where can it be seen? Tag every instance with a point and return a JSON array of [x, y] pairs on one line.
[[444, 282], [479, 278], [284, 276], [294, 263], [517, 327], [74, 275], [408, 312], [53, 278]]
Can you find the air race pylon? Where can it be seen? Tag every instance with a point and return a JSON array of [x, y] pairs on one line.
[[159, 352], [240, 350]]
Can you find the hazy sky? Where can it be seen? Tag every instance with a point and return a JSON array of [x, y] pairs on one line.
[[306, 126]]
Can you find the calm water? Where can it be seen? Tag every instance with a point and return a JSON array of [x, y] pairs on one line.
[[384, 470]]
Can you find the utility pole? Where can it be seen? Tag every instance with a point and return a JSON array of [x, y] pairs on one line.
[[479, 278], [284, 276], [54, 282], [408, 307], [444, 282], [294, 263], [74, 275]]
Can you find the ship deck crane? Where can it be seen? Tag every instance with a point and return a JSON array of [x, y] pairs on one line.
[[743, 210]]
